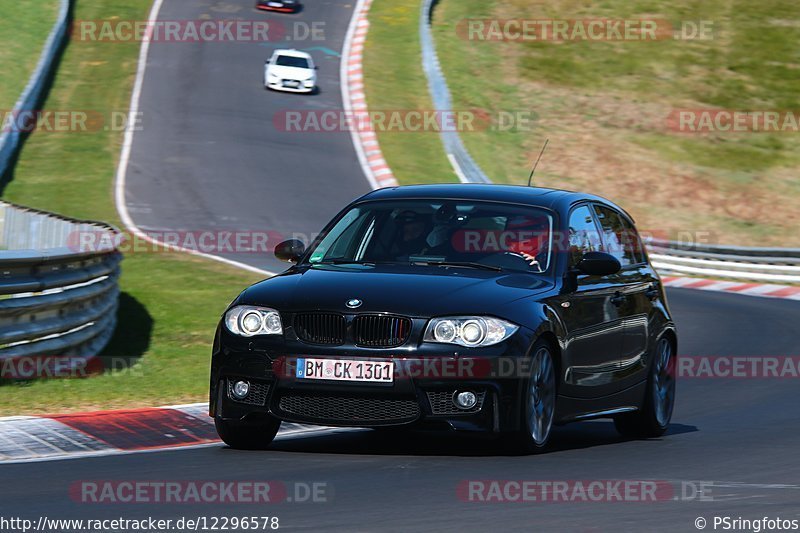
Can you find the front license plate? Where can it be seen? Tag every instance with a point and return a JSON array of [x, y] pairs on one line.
[[345, 370], [292, 84]]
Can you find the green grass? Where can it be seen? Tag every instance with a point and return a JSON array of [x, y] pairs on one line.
[[395, 81], [24, 27], [170, 302], [604, 106]]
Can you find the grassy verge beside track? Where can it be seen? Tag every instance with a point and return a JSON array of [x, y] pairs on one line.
[[170, 302], [24, 27], [604, 106], [395, 81]]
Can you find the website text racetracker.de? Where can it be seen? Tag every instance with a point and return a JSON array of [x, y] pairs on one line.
[[582, 491], [140, 525], [196, 31], [403, 121], [477, 241]]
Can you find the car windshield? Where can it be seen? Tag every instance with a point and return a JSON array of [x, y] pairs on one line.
[[292, 61], [441, 233]]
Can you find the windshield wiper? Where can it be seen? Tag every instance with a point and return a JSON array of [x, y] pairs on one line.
[[462, 264], [344, 262]]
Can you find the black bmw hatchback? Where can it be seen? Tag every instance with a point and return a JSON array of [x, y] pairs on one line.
[[488, 308]]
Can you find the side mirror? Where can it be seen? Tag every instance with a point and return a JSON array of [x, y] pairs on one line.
[[290, 251], [598, 264], [266, 62]]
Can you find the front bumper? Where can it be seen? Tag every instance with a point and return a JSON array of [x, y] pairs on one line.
[[426, 378], [279, 86]]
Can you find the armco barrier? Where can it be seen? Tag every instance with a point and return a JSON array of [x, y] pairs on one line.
[[737, 262], [759, 264], [55, 299], [32, 94], [465, 167]]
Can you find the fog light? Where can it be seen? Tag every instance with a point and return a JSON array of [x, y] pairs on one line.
[[465, 400], [240, 389]]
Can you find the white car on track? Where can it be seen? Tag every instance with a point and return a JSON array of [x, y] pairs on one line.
[[290, 70]]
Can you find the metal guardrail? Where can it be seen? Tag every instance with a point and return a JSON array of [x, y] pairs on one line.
[[758, 264], [57, 297], [465, 167], [736, 262], [32, 94]]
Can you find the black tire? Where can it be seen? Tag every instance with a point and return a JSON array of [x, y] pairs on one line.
[[256, 435], [525, 440], [653, 419]]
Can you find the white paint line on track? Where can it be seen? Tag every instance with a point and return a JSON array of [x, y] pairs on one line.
[[457, 168], [125, 155]]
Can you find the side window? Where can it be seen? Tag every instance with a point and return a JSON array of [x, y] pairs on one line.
[[619, 237], [582, 234]]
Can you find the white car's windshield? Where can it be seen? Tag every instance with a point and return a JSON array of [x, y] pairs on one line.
[[292, 61], [480, 234]]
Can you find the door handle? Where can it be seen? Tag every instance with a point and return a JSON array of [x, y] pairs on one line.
[[618, 299], [652, 292]]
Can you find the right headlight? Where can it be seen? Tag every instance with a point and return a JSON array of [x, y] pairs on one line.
[[470, 331], [250, 320]]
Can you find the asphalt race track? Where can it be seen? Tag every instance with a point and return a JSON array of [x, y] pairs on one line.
[[208, 155], [740, 434], [213, 161]]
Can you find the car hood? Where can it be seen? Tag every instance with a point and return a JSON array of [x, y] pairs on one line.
[[408, 290], [293, 73]]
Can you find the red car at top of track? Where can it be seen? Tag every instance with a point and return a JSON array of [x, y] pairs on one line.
[[283, 6]]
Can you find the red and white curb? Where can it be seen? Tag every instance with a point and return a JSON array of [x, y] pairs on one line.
[[47, 438], [355, 100], [767, 290]]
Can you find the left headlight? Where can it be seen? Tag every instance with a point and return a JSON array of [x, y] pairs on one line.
[[469, 331], [249, 320]]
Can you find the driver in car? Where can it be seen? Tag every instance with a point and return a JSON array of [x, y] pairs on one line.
[[528, 239], [411, 235]]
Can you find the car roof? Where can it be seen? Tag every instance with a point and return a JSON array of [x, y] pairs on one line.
[[555, 199], [293, 53]]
